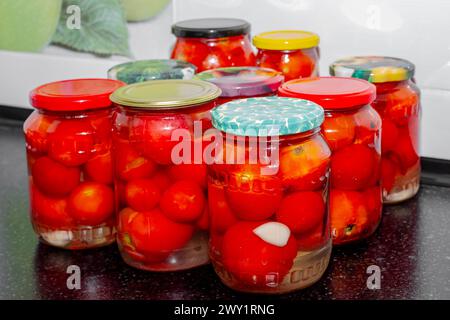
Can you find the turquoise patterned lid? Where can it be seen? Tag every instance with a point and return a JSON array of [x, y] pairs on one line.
[[267, 116], [146, 70]]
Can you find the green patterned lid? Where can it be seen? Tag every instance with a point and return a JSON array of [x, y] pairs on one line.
[[145, 70], [375, 69], [267, 116]]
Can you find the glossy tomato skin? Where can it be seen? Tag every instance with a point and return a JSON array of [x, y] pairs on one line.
[[355, 172], [208, 54], [398, 104], [67, 151], [162, 203], [293, 64], [290, 201]]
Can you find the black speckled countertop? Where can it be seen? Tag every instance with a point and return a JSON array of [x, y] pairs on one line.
[[411, 247]]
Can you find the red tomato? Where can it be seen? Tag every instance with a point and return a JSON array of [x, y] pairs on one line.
[[352, 167], [253, 261], [72, 142], [91, 203], [401, 105], [313, 239], [374, 202], [153, 135], [193, 51], [142, 194], [183, 202], [130, 164], [126, 216], [192, 172], [161, 179], [221, 215], [254, 198], [368, 127], [203, 222], [51, 212], [389, 172], [53, 178], [406, 151], [349, 215], [37, 128], [339, 130], [389, 135], [152, 233], [301, 211], [292, 64], [100, 168], [305, 166]]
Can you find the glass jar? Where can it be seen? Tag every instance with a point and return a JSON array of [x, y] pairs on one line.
[[352, 129], [268, 191], [398, 103], [292, 52], [68, 143], [243, 82], [145, 70], [213, 43], [160, 175]]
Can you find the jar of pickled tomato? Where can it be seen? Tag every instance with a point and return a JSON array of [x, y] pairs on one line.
[[294, 53], [146, 70], [160, 175], [398, 103], [213, 43], [352, 129], [268, 191], [68, 143], [243, 82]]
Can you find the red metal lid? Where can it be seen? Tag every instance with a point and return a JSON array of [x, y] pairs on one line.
[[331, 92], [74, 95]]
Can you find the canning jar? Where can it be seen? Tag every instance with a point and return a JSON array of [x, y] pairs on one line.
[[145, 70], [160, 175], [213, 43], [352, 129], [398, 103], [243, 82], [294, 53], [268, 191], [68, 143]]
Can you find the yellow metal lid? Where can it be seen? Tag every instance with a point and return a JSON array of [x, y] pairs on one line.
[[286, 40], [166, 94]]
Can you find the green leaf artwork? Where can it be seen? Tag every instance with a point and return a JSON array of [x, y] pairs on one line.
[[101, 30]]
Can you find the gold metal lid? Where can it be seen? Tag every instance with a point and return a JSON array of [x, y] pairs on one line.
[[166, 94]]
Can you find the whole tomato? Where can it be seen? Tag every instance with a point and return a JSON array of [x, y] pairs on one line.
[[405, 150], [192, 172], [129, 164], [91, 203], [72, 142], [401, 104], [253, 261], [152, 233], [339, 130], [142, 194], [38, 127], [390, 169], [352, 167], [305, 166], [254, 197], [301, 211], [183, 202], [152, 135], [51, 212], [53, 178], [100, 168], [191, 50], [221, 215], [349, 214]]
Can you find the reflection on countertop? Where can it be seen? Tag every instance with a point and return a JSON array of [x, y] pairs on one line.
[[410, 247]]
